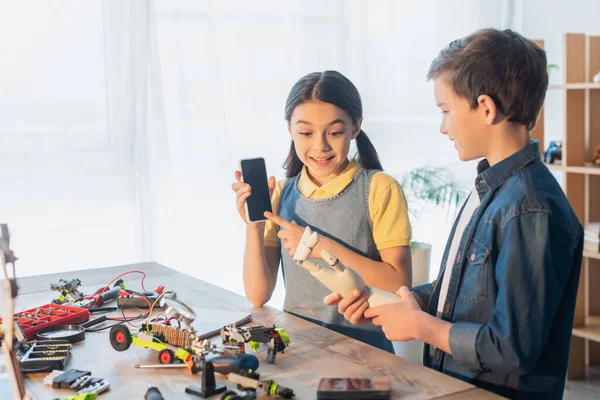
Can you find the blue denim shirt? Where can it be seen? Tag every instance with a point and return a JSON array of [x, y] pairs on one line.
[[514, 283]]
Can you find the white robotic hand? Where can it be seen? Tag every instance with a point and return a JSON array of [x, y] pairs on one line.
[[339, 279]]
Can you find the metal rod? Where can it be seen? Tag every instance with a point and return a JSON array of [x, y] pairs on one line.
[[178, 365]]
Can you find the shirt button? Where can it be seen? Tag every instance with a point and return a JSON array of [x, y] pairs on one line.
[[473, 257], [320, 192]]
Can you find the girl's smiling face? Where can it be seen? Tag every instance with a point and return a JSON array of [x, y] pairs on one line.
[[322, 134]]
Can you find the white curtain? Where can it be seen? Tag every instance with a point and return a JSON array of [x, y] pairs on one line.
[[136, 110], [225, 71], [63, 172], [122, 121]]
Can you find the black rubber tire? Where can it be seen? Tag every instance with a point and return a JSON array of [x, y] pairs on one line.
[[230, 395], [195, 368], [120, 337]]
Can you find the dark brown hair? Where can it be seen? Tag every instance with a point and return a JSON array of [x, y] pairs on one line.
[[501, 64], [334, 88]]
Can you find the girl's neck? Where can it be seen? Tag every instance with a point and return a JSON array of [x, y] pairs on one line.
[[320, 181]]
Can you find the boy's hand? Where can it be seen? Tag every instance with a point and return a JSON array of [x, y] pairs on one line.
[[352, 307], [242, 192], [398, 320], [290, 233]]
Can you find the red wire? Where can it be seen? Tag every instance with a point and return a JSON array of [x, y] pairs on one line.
[[145, 315], [127, 273]]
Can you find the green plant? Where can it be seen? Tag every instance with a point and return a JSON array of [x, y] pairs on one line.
[[431, 185], [435, 186]]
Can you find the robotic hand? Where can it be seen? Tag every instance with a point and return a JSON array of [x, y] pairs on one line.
[[339, 279]]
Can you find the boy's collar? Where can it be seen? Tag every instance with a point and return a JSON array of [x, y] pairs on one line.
[[489, 178]]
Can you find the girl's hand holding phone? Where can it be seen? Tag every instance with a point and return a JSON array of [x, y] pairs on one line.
[[242, 192]]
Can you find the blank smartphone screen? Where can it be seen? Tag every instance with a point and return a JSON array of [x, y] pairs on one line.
[[254, 173]]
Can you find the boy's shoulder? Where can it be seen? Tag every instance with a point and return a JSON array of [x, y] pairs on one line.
[[533, 189]]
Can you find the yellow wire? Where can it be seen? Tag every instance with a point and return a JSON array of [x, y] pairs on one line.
[[153, 304]]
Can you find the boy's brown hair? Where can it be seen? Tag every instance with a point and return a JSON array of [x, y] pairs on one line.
[[501, 64]]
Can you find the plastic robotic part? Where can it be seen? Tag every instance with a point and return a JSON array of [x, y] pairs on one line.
[[338, 278]]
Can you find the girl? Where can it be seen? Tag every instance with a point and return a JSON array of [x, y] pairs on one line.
[[359, 212]]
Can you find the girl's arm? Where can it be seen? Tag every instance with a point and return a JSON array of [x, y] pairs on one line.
[[392, 272], [261, 264]]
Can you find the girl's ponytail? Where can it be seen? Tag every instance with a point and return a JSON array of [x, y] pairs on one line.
[[367, 155], [293, 164]]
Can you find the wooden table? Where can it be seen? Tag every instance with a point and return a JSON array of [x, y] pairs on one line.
[[315, 352]]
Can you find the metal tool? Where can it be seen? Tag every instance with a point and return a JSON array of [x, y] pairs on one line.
[[178, 310], [100, 297], [82, 382], [71, 333], [96, 388], [176, 365]]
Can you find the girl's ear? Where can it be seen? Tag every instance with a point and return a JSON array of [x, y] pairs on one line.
[[357, 128], [290, 130]]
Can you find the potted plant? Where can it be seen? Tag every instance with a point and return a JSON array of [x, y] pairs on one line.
[[550, 68], [427, 186]]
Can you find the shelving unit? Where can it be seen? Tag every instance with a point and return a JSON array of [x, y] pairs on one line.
[[590, 85], [581, 182]]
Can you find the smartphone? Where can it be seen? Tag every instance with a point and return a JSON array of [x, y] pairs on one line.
[[254, 173]]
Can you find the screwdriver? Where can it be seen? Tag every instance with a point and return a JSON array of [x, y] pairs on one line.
[[153, 393]]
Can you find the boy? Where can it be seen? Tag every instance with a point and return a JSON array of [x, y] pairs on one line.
[[500, 313]]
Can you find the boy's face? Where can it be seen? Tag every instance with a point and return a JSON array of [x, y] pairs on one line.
[[466, 127], [322, 134]]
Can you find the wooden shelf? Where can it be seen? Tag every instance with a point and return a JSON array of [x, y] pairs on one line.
[[581, 182], [555, 167], [591, 254], [576, 86], [588, 169], [588, 331]]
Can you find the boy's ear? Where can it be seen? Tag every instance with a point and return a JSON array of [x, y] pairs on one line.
[[487, 107]]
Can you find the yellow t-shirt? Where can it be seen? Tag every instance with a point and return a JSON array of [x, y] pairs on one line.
[[387, 205]]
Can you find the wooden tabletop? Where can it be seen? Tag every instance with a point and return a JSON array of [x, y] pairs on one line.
[[314, 353]]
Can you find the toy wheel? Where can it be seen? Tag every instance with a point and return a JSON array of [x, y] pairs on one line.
[[193, 367], [166, 356], [248, 362], [230, 395], [120, 337]]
